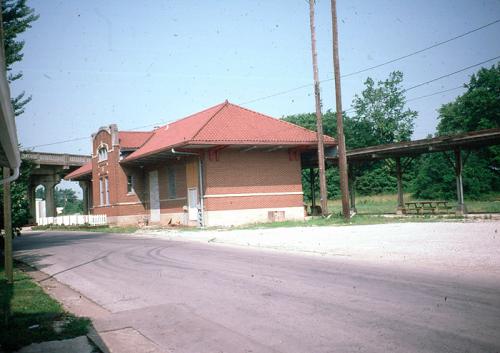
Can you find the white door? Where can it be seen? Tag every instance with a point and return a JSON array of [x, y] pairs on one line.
[[193, 204], [154, 196]]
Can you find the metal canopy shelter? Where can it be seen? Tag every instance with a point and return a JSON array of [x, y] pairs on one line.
[[410, 149]]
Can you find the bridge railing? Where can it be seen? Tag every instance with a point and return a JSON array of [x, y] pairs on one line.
[[57, 158], [74, 220]]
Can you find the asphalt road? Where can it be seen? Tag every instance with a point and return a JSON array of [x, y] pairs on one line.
[[191, 297]]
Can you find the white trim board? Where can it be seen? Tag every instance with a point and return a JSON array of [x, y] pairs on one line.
[[255, 194]]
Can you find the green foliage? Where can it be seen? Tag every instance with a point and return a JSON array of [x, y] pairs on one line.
[[19, 196], [436, 179], [308, 121], [67, 199], [28, 315], [380, 117], [380, 114], [478, 108], [40, 193], [17, 17], [377, 180]]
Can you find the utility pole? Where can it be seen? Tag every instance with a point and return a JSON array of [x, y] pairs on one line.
[[7, 225], [319, 118], [344, 188]]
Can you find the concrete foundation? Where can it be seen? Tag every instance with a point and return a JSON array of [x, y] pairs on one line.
[[229, 218]]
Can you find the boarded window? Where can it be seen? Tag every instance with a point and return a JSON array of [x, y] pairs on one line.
[[171, 187]]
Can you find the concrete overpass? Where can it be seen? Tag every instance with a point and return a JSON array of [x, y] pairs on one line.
[[49, 169]]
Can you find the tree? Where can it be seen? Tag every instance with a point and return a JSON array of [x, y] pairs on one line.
[[380, 117], [19, 196], [380, 113], [308, 121], [478, 108], [40, 193], [17, 18], [67, 199]]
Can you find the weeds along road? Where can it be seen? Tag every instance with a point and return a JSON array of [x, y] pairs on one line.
[[193, 297]]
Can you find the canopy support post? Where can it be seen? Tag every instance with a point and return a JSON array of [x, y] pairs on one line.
[[399, 177], [461, 209]]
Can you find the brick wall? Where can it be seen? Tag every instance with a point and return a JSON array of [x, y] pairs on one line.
[[252, 172], [120, 201], [168, 204], [272, 180]]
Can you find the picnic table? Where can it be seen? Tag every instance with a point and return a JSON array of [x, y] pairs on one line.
[[421, 207]]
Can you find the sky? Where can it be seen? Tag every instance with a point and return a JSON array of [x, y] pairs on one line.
[[144, 63]]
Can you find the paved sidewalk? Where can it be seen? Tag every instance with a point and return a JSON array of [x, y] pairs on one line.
[[156, 295], [74, 345], [108, 334]]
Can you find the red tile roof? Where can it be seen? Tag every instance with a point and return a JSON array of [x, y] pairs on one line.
[[133, 139], [78, 173], [227, 124]]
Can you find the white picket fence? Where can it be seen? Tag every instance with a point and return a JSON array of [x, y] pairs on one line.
[[72, 220]]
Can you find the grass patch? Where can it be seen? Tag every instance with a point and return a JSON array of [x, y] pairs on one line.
[[337, 220], [385, 204], [29, 315], [87, 228]]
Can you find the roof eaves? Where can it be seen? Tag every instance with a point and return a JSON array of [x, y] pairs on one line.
[[150, 153]]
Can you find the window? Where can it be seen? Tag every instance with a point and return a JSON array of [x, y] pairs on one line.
[[103, 153], [171, 183], [106, 186], [101, 192], [130, 184]]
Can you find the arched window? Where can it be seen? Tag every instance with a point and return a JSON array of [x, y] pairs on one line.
[[103, 153]]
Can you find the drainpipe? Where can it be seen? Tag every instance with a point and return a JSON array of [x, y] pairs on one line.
[[12, 177], [200, 172]]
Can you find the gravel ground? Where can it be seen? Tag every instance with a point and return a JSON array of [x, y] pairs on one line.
[[470, 249]]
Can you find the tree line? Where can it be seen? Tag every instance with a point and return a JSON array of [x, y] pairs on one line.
[[380, 116]]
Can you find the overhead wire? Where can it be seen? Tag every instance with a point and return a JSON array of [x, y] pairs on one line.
[[84, 138], [424, 96], [343, 76], [416, 52]]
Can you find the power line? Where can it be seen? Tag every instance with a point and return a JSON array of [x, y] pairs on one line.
[[422, 50], [435, 93], [439, 78], [331, 79], [424, 96], [375, 66], [57, 142], [348, 110], [141, 127], [84, 138], [450, 74], [278, 93]]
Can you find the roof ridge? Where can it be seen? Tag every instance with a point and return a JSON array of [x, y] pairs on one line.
[[190, 116], [137, 132], [283, 121], [225, 104]]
